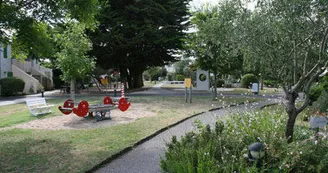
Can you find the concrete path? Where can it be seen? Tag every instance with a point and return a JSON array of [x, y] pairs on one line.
[[145, 158], [21, 99], [155, 90]]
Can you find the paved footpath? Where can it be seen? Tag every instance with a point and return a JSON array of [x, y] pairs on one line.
[[21, 99], [145, 158]]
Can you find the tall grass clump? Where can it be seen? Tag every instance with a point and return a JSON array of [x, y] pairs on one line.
[[224, 148]]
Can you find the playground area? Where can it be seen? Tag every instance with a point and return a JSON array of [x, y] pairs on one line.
[[72, 121], [67, 143]]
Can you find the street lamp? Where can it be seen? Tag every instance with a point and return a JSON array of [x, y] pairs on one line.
[[256, 152]]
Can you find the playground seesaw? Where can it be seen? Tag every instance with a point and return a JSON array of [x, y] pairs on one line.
[[98, 111]]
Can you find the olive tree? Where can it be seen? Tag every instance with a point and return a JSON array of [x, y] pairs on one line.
[[289, 38]]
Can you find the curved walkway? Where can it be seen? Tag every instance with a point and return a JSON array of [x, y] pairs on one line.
[[145, 158]]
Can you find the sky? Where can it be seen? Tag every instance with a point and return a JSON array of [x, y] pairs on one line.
[[194, 4], [199, 3]]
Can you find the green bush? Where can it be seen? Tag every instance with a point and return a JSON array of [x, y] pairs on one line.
[[247, 79], [321, 104], [270, 83], [146, 77], [11, 86], [224, 149], [170, 77], [324, 83], [315, 92], [180, 77], [228, 85], [219, 83]]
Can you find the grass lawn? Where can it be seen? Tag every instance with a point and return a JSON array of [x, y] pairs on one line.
[[148, 84], [244, 91], [248, 91], [172, 86], [31, 150]]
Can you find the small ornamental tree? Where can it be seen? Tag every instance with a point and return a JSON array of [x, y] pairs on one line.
[[289, 39], [72, 58], [212, 44]]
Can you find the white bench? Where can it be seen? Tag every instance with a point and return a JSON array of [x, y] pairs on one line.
[[38, 106]]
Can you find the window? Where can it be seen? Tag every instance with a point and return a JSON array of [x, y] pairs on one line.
[[5, 55]]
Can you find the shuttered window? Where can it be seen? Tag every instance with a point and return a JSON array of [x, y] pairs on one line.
[[5, 55]]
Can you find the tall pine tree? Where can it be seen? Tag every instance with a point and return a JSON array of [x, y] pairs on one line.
[[135, 35]]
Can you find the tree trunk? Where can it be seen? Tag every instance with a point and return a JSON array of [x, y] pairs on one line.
[[136, 77], [72, 91], [292, 114], [215, 96], [123, 74], [261, 80], [138, 80], [131, 79]]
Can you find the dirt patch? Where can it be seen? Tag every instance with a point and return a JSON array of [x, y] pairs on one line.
[[72, 121]]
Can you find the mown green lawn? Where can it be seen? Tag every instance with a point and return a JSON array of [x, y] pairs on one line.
[[33, 150]]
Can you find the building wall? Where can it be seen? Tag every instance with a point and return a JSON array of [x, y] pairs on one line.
[[5, 63], [23, 65], [31, 69]]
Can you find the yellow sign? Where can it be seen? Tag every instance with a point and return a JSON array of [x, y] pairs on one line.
[[187, 82], [104, 81]]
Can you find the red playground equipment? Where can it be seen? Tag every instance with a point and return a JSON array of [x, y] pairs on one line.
[[98, 111]]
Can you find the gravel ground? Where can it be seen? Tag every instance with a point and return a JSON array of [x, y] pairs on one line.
[[71, 121]]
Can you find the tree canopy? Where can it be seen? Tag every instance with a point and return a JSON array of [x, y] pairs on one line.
[[213, 44], [289, 39], [26, 23], [136, 35], [72, 59]]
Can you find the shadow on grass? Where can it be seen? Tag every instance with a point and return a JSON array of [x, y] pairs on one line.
[[31, 155]]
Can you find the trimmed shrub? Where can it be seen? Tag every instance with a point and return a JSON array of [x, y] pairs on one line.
[[180, 77], [11, 86], [247, 79], [170, 77]]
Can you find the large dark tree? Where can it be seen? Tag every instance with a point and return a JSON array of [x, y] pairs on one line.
[[135, 35]]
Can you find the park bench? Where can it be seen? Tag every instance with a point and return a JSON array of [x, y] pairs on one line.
[[38, 106]]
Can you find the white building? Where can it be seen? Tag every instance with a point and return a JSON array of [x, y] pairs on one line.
[[30, 71], [5, 61]]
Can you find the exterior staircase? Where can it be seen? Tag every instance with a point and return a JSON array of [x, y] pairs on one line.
[[36, 78], [32, 85]]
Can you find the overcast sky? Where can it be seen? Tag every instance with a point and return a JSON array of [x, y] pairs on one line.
[[194, 4], [199, 3]]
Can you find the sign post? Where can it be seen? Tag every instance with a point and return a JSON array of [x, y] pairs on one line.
[[255, 88], [317, 123], [187, 83]]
